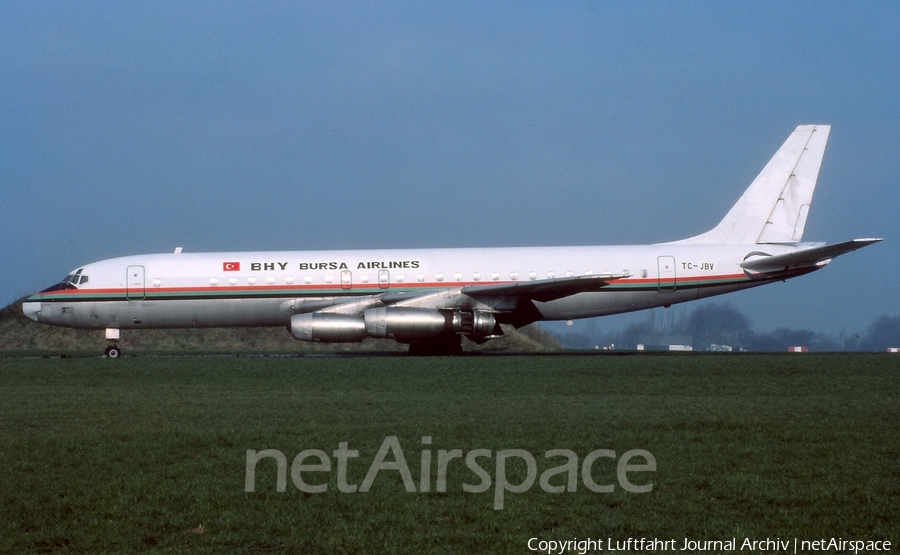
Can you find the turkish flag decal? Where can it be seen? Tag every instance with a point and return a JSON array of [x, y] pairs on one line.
[[231, 266]]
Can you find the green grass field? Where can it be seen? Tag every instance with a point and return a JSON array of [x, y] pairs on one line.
[[149, 454]]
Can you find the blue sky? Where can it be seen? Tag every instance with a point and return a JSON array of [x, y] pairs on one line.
[[132, 128]]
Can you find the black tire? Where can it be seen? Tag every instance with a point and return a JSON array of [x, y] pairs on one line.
[[449, 346], [113, 352]]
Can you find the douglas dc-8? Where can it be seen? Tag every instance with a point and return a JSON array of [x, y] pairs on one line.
[[430, 298]]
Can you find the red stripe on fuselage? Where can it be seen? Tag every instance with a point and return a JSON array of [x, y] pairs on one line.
[[374, 287]]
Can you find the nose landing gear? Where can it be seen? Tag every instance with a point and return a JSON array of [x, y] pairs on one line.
[[113, 351]]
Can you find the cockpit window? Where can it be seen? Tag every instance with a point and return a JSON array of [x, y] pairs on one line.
[[76, 278]]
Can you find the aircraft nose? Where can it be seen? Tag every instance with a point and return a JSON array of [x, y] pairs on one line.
[[31, 310]]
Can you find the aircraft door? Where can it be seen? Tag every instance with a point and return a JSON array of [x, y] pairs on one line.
[[134, 283], [384, 279], [666, 266], [346, 279]]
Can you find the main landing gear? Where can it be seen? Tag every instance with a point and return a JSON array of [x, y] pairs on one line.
[[113, 351], [444, 346]]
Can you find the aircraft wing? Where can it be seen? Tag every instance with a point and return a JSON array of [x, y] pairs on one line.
[[502, 297], [809, 258], [543, 290]]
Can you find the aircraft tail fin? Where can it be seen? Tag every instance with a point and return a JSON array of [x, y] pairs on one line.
[[775, 206]]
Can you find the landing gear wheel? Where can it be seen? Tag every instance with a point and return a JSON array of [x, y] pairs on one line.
[[449, 346], [113, 351]]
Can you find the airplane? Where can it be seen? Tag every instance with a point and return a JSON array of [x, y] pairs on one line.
[[430, 298]]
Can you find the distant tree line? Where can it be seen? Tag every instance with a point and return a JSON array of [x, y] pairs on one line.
[[722, 324]]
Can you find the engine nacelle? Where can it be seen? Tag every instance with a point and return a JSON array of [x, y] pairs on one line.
[[400, 323], [405, 324], [328, 328], [416, 324], [484, 327]]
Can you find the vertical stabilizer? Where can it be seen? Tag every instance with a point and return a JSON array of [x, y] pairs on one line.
[[775, 206]]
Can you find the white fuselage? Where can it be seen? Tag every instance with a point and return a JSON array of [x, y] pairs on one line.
[[267, 288]]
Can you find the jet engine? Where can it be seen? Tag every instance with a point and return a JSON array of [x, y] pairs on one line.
[[414, 324], [402, 324], [405, 324], [328, 328]]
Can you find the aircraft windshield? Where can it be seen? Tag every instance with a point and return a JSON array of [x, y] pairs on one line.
[[76, 279]]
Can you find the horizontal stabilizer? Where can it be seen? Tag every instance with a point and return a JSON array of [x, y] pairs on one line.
[[809, 258], [544, 290]]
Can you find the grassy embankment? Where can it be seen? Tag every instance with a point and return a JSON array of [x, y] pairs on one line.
[[20, 336]]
